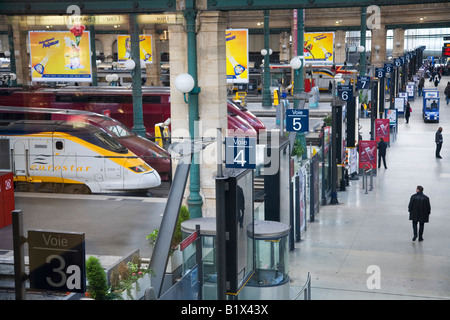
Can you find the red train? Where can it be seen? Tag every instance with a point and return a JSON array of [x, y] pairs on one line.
[[116, 102]]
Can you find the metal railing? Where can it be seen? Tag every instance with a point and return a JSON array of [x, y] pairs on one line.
[[306, 290], [365, 173]]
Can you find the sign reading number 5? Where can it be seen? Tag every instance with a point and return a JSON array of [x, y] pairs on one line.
[[297, 124]]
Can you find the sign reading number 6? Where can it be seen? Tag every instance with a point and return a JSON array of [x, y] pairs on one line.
[[75, 11]]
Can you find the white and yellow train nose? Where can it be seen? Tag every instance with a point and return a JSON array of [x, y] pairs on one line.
[[149, 180]]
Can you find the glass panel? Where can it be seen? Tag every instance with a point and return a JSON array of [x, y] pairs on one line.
[[209, 289]]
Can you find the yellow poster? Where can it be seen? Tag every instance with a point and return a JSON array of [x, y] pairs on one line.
[[124, 48], [318, 46], [237, 55], [60, 55]]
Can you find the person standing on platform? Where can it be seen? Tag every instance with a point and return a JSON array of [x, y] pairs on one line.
[[421, 85], [447, 92], [407, 112], [419, 211], [382, 146], [439, 140]]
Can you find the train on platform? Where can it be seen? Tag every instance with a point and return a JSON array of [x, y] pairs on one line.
[[149, 151], [116, 102], [71, 157]]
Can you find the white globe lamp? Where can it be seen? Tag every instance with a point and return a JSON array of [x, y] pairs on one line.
[[184, 83]]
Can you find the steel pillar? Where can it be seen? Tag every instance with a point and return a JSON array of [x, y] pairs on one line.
[[267, 97], [138, 118], [194, 200]]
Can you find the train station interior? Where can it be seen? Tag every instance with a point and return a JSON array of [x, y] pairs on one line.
[[224, 150]]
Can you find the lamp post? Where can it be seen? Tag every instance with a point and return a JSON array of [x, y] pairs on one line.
[[299, 83], [362, 55], [267, 97], [138, 118], [194, 200]]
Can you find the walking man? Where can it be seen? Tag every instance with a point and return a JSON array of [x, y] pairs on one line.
[[438, 139], [382, 146], [419, 210]]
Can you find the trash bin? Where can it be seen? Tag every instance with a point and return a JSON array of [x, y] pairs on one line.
[[6, 198]]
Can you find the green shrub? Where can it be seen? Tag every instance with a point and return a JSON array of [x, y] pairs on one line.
[[97, 284]]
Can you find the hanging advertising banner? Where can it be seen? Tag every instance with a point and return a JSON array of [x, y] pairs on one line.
[[302, 198], [319, 46], [326, 139], [60, 55], [382, 130], [124, 48], [237, 55], [352, 160], [391, 114], [367, 154], [399, 104]]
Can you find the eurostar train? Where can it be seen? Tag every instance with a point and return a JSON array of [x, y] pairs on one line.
[[72, 157]]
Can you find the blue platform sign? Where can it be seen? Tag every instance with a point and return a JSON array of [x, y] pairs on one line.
[[398, 62], [345, 93], [240, 152], [388, 67], [363, 82], [297, 120], [379, 73]]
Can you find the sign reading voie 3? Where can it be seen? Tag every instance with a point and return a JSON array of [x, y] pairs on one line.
[[297, 120], [57, 261]]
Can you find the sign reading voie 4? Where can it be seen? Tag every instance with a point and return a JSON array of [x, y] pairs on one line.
[[240, 152], [297, 120], [57, 261]]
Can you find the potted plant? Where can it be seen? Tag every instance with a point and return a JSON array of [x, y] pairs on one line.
[[175, 258], [298, 149], [130, 280], [97, 285]]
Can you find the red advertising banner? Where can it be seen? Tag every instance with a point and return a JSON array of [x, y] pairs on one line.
[[382, 130], [367, 154]]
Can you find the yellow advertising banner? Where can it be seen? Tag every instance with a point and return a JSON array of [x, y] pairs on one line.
[[124, 48], [237, 55], [318, 46], [60, 55]]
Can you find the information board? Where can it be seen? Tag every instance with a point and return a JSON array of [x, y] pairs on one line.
[[240, 152], [297, 120], [57, 261]]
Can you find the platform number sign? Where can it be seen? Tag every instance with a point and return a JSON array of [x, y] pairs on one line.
[[363, 82], [240, 152], [379, 73], [345, 93], [388, 67], [57, 261], [297, 120], [398, 62]]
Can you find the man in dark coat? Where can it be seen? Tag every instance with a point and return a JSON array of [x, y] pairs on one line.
[[419, 210], [382, 146], [438, 139]]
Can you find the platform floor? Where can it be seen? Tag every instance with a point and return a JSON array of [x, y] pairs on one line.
[[373, 231]]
